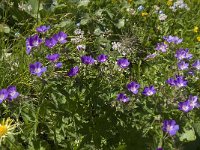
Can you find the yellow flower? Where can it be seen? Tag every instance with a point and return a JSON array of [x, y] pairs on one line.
[[144, 14], [198, 38], [6, 127], [195, 29], [169, 2]]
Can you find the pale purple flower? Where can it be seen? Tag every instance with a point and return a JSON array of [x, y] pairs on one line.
[[53, 57], [3, 95], [88, 60], [150, 56], [196, 64], [162, 47], [193, 101], [170, 127], [37, 69], [58, 65], [60, 37], [185, 106], [183, 65], [123, 63], [183, 54], [122, 98], [42, 29], [73, 71], [148, 91], [50, 43], [133, 87], [173, 39], [12, 92], [80, 47], [102, 58]]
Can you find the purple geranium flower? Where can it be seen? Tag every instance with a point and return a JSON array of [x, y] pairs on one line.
[[162, 47], [180, 82], [193, 101], [32, 41], [37, 69], [133, 87], [196, 64], [170, 127], [60, 37], [12, 92], [50, 43], [3, 95], [42, 29], [171, 81], [88, 60], [58, 65], [122, 98], [102, 58], [183, 54], [183, 65], [123, 63], [184, 106], [173, 39], [53, 57], [148, 91], [73, 71]]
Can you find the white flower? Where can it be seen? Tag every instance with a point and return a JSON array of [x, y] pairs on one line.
[[162, 17]]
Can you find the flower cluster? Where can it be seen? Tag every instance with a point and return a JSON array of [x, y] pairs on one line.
[[189, 104], [10, 93], [179, 4], [178, 82]]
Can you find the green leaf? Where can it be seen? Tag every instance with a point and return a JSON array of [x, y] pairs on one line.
[[4, 28], [121, 23], [188, 135]]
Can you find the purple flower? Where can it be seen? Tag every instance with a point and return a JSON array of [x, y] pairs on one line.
[[50, 43], [133, 87], [32, 41], [37, 69], [148, 91], [162, 47], [184, 106], [53, 57], [170, 127], [73, 71], [180, 82], [159, 148], [193, 101], [88, 60], [122, 98], [3, 95], [123, 63], [58, 65], [173, 39], [80, 47], [60, 37], [196, 64], [102, 58], [12, 92], [183, 65], [171, 81], [183, 54], [42, 29]]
